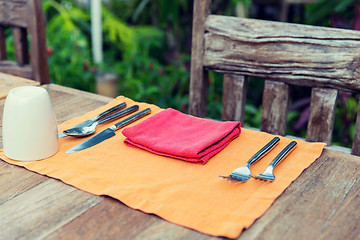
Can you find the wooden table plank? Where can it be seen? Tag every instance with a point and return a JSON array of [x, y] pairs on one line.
[[43, 209], [37, 204], [69, 103], [126, 223], [16, 180], [311, 204], [8, 82]]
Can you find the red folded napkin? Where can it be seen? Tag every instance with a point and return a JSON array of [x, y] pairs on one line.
[[175, 134]]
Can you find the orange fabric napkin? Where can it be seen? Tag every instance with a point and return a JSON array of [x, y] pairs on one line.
[[175, 134], [188, 194]]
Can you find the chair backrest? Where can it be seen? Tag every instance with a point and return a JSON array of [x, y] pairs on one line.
[[23, 18], [325, 59]]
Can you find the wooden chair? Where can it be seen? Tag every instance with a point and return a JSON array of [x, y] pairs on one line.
[[24, 17], [325, 59]]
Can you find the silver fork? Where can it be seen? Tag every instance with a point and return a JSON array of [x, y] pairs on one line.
[[242, 174], [268, 174]]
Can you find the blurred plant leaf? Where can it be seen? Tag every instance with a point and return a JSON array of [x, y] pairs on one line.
[[139, 9], [342, 5], [356, 23]]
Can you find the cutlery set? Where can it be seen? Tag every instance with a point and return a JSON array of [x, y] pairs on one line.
[[88, 130], [243, 173], [89, 127], [96, 118]]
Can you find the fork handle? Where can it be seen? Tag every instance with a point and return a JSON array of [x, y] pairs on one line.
[[286, 151], [265, 150], [113, 109]]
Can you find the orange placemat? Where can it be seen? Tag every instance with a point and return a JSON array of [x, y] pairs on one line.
[[188, 194]]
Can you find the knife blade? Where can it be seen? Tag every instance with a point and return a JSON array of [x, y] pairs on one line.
[[108, 133], [94, 119]]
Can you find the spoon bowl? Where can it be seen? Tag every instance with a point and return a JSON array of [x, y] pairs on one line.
[[82, 131], [96, 118]]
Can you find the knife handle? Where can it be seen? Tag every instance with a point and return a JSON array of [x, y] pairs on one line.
[[132, 118], [265, 150], [113, 109], [119, 114]]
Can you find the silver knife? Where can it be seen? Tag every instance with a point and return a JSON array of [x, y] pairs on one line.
[[94, 119], [108, 133]]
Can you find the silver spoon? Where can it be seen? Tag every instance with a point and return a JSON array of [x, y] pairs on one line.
[[96, 118], [85, 131]]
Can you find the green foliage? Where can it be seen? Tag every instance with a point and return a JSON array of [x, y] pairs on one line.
[[252, 116], [128, 51], [147, 80], [149, 57], [344, 126], [10, 51], [135, 53], [319, 13], [127, 40], [147, 44], [70, 56]]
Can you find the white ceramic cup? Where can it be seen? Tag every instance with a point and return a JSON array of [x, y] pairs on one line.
[[29, 124]]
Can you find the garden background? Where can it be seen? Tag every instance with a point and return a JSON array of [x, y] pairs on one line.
[[147, 44]]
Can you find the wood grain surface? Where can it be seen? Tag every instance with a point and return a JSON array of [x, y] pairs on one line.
[[275, 106], [8, 82], [295, 54], [322, 203], [234, 97], [198, 77], [322, 114]]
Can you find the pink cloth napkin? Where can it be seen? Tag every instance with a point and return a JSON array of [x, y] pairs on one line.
[[178, 135]]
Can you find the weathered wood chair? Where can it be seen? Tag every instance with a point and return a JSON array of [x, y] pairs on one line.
[[24, 17], [325, 59]]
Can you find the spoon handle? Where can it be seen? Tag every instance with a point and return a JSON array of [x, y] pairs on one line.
[[119, 114], [113, 109]]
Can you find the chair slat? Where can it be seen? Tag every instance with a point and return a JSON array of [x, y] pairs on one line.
[[38, 43], [275, 105], [234, 97], [322, 115], [356, 142], [21, 45], [13, 68], [199, 78], [3, 54]]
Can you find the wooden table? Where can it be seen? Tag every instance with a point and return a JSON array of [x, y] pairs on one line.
[[323, 203], [8, 82]]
